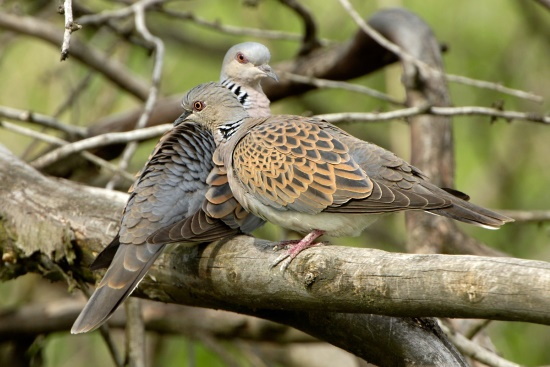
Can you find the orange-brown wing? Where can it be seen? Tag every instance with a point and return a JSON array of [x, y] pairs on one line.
[[310, 166], [289, 162]]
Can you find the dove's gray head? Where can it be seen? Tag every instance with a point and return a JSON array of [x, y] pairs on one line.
[[215, 107], [247, 64]]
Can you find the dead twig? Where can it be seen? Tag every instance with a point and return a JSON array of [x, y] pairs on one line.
[[493, 86], [326, 83], [43, 120], [475, 351], [99, 141], [439, 111], [70, 27], [528, 215], [237, 31], [135, 333]]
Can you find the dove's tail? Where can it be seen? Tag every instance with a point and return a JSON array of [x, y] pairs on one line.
[[126, 270], [467, 212]]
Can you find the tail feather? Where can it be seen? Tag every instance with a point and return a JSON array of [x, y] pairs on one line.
[[105, 257], [467, 212], [129, 266]]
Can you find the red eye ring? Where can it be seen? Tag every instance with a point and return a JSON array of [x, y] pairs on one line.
[[241, 58], [198, 105]]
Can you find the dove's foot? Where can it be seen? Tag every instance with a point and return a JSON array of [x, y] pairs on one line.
[[294, 247]]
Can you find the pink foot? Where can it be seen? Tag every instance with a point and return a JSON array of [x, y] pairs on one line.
[[294, 247]]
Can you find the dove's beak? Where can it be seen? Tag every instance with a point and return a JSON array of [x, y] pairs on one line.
[[182, 118], [269, 72]]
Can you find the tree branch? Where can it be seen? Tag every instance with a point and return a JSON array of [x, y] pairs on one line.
[[135, 333], [325, 83], [42, 120], [493, 86], [493, 113], [99, 141], [528, 215], [234, 30], [475, 351], [70, 27]]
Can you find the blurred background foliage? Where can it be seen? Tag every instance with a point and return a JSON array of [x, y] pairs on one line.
[[500, 164]]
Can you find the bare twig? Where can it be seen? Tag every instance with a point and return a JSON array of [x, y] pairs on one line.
[[70, 27], [423, 67], [309, 39], [372, 116], [135, 333], [139, 9], [98, 141], [474, 327], [238, 31], [440, 111], [493, 86], [492, 112], [528, 215], [383, 41], [58, 141], [43, 120], [106, 16], [475, 351], [325, 83]]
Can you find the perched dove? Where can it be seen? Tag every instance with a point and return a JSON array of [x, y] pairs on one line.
[[165, 200], [244, 66], [309, 176]]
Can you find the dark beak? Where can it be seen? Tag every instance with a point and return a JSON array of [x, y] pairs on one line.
[[182, 118], [269, 72]]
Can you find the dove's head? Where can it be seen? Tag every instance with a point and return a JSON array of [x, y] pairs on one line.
[[247, 64], [214, 107]]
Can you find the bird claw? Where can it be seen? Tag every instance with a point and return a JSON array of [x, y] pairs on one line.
[[293, 248], [284, 259]]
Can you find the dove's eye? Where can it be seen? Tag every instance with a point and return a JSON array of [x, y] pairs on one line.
[[241, 58], [198, 105]]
